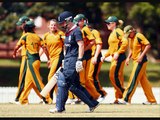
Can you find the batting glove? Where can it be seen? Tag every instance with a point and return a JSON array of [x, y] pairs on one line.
[[79, 66]]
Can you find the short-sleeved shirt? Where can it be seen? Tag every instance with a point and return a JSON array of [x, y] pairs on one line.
[[97, 38], [32, 42], [137, 45], [70, 42], [114, 41], [87, 35], [54, 43]]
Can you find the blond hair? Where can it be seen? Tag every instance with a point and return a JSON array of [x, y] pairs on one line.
[[120, 22]]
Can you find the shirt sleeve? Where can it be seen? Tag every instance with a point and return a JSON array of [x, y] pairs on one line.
[[97, 36], [78, 35], [87, 33], [144, 40], [123, 46]]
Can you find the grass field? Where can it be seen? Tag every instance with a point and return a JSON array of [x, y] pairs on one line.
[[12, 67], [104, 110]]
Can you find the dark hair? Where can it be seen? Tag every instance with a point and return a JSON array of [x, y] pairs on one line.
[[28, 28]]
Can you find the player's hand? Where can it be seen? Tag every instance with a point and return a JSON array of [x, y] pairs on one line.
[[140, 58], [79, 65], [94, 60], [115, 56], [102, 59], [14, 55], [127, 61]]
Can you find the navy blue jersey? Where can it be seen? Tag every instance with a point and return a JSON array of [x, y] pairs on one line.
[[70, 42]]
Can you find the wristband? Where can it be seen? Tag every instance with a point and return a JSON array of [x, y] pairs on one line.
[[80, 59]]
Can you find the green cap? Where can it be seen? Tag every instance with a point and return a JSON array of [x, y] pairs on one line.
[[112, 19], [79, 17], [30, 23], [22, 20], [127, 30]]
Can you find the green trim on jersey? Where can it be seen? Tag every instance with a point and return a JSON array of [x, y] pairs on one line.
[[23, 81], [134, 79], [24, 38], [32, 59], [85, 34], [121, 58], [117, 34]]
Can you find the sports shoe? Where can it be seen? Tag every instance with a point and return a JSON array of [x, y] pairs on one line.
[[17, 102], [100, 99], [115, 102], [56, 111], [76, 101], [120, 101], [149, 103], [41, 102], [69, 101], [91, 109]]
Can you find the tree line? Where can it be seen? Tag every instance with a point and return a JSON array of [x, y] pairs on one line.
[[144, 16]]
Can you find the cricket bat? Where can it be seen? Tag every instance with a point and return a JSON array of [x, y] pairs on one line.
[[51, 83]]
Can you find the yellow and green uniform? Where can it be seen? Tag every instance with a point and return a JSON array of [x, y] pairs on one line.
[[32, 43], [87, 37], [54, 43], [94, 70], [117, 43], [138, 74], [22, 72]]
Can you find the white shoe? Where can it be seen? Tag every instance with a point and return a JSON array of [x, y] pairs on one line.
[[69, 101], [120, 101], [17, 102], [100, 99], [149, 103], [41, 102], [92, 108], [56, 111]]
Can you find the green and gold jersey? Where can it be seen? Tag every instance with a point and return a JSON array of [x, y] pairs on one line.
[[114, 41], [32, 42], [54, 43], [87, 35], [97, 38], [137, 45]]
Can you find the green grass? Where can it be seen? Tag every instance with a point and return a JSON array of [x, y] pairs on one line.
[[73, 111], [9, 70]]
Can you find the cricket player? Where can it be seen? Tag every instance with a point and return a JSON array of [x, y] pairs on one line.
[[89, 41], [54, 40], [21, 22], [117, 48], [32, 43], [96, 63], [68, 79], [139, 46]]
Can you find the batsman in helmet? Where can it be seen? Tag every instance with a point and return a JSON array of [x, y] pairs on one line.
[[68, 79]]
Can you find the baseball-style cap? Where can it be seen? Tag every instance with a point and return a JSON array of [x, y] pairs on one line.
[[30, 24], [111, 19], [22, 20], [127, 30], [79, 17]]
